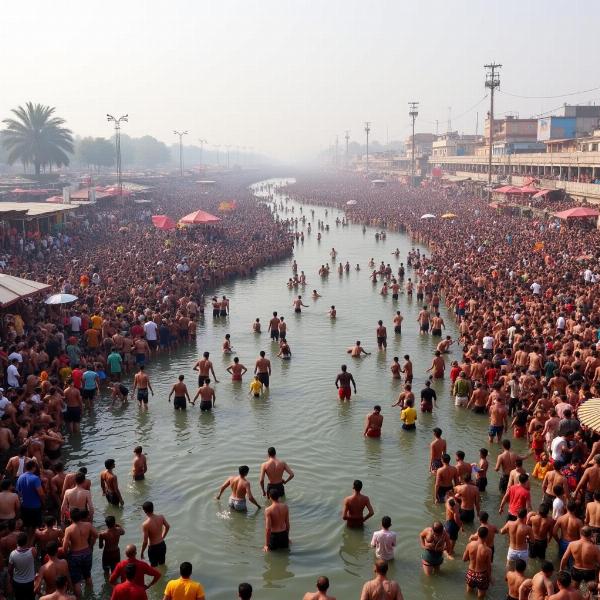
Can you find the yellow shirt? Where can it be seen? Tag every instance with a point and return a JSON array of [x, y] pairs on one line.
[[408, 415], [184, 589], [96, 321], [255, 386], [539, 471]]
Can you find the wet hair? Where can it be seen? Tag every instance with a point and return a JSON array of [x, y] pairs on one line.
[[181, 378], [148, 507], [271, 451], [386, 522], [75, 514], [482, 532], [357, 485], [564, 579], [460, 455], [506, 444], [522, 513], [520, 565], [483, 452], [446, 458], [109, 463], [437, 432], [185, 569], [245, 591], [79, 477], [323, 583], [523, 477], [381, 567], [110, 521], [138, 449], [5, 485], [52, 548], [243, 470], [484, 516]]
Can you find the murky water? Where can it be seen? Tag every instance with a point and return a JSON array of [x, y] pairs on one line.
[[191, 454]]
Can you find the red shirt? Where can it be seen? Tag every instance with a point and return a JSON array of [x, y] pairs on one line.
[[518, 498], [137, 330], [128, 591], [77, 376], [142, 568], [490, 376], [454, 373]]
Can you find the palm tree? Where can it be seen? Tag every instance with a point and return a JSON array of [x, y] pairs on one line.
[[36, 137]]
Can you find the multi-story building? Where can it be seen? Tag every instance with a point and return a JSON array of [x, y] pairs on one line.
[[453, 144]]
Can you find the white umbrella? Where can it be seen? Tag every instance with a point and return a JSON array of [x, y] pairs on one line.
[[60, 299], [428, 216], [351, 202]]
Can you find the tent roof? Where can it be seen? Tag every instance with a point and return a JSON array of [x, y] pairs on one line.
[[13, 289], [199, 217], [26, 210], [577, 212]]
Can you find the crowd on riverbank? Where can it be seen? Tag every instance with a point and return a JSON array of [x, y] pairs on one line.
[[524, 294]]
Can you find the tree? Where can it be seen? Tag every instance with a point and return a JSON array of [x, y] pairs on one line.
[[97, 152], [37, 137], [149, 152]]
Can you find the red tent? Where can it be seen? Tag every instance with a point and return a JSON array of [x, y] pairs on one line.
[[199, 217], [508, 189], [541, 193], [114, 191], [163, 222], [528, 189], [577, 213], [55, 199]]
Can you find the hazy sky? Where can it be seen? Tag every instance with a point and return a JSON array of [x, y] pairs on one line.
[[286, 76]]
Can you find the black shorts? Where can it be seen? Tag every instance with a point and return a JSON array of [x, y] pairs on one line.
[[179, 403], [157, 554], [201, 380], [80, 565], [153, 344], [503, 483], [274, 334], [279, 540], [276, 486], [142, 395], [419, 296], [481, 483], [88, 394], [73, 414], [479, 410], [436, 332], [580, 575], [398, 329], [394, 296], [215, 312], [381, 341], [206, 404], [112, 498], [467, 515], [32, 517], [537, 549], [263, 378]]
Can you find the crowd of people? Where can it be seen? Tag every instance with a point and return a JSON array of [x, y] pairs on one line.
[[524, 296]]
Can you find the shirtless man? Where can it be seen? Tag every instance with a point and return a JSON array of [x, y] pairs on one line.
[[590, 482], [237, 370], [274, 469], [273, 328], [436, 449], [182, 397], [381, 333], [141, 383], [541, 526], [108, 541], [207, 396], [140, 465], [373, 423], [354, 507], [397, 321], [423, 321], [541, 583], [380, 587], [468, 494], [321, 593], [78, 498], [505, 462], [69, 482], [74, 404], [446, 477], [155, 529], [438, 366], [519, 534], [205, 369], [569, 527], [80, 537], [110, 484], [498, 421], [357, 350], [240, 488], [51, 570], [9, 501], [586, 558], [43, 536], [297, 305], [277, 524], [479, 556], [407, 369], [262, 369], [343, 382], [564, 582]]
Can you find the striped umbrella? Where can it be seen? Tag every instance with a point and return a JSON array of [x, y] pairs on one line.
[[589, 414]]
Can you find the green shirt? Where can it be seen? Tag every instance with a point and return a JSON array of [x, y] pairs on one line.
[[114, 361]]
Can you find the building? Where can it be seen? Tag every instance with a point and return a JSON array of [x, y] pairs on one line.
[[453, 144], [423, 144], [511, 136]]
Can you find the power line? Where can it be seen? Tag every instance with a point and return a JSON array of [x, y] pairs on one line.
[[549, 97], [466, 112]]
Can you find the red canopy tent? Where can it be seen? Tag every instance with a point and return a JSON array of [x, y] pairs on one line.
[[114, 191], [528, 189], [578, 212], [508, 189], [38, 192], [199, 217], [55, 199], [163, 222], [541, 193]]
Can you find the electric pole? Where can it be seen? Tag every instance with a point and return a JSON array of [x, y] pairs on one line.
[[449, 119], [117, 122], [367, 130], [347, 138], [492, 81], [413, 112], [180, 134], [337, 145]]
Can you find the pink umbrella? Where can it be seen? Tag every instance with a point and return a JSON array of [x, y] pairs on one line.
[[163, 222], [199, 217]]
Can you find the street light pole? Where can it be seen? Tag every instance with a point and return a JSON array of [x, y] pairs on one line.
[[117, 122], [413, 113], [227, 146], [347, 138], [202, 142], [180, 134], [217, 146], [367, 130]]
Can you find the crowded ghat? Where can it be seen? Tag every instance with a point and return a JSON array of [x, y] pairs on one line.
[[519, 294]]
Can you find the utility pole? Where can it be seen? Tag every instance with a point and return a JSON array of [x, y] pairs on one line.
[[437, 127], [217, 146], [449, 119], [180, 134], [476, 123], [227, 146], [367, 130], [337, 146], [117, 122], [347, 138], [492, 81], [413, 112], [202, 142]]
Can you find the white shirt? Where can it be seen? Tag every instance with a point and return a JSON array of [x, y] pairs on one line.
[[75, 324], [587, 275], [560, 323], [536, 288], [384, 543], [14, 355], [12, 376], [4, 402], [488, 342], [558, 444], [558, 508], [151, 330]]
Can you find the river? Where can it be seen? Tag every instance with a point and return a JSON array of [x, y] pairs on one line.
[[190, 454]]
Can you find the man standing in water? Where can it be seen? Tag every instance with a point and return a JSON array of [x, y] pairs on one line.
[[205, 369], [110, 485], [321, 593], [343, 382], [262, 369], [182, 396], [380, 587], [155, 529], [354, 507], [78, 543], [274, 470], [373, 423], [274, 327], [423, 321], [381, 336], [240, 488], [207, 396], [277, 524], [141, 383], [298, 304], [479, 556]]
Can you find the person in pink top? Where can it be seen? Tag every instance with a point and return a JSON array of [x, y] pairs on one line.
[[384, 540]]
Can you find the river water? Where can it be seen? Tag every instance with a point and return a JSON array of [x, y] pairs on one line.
[[191, 454]]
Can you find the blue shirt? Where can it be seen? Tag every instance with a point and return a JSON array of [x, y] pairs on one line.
[[27, 486], [89, 380]]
